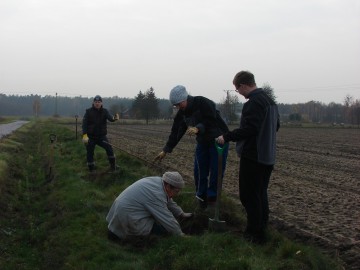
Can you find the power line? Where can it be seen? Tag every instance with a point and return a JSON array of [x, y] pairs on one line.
[[321, 88]]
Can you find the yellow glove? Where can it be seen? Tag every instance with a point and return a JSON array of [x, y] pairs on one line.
[[116, 116], [192, 131], [85, 138], [160, 156]]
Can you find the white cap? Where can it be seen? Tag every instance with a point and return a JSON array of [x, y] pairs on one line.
[[174, 179]]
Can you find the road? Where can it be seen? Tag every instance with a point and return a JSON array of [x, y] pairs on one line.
[[6, 129]]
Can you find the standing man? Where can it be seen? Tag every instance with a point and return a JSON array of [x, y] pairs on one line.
[[198, 116], [256, 146], [146, 207], [94, 127]]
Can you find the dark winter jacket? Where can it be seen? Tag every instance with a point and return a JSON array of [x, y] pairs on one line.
[[256, 136], [94, 122], [200, 112]]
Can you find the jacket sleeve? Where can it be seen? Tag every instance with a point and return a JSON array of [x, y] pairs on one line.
[[163, 215], [174, 208], [109, 116], [250, 124], [205, 116], [178, 130], [211, 124], [209, 115]]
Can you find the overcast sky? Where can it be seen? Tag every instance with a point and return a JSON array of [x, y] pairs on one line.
[[306, 50]]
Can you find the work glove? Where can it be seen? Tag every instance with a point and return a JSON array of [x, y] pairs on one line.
[[192, 131], [85, 139], [116, 116], [160, 156]]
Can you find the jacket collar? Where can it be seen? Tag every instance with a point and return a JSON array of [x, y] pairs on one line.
[[255, 92], [190, 103]]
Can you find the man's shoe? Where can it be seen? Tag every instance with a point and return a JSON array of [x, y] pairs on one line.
[[255, 238], [114, 168], [202, 202]]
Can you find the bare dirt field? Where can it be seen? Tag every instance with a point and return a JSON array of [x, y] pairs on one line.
[[314, 190]]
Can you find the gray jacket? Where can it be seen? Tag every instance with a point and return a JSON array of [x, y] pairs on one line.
[[141, 204], [256, 137]]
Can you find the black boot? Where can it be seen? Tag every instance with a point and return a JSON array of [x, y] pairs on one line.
[[202, 201], [113, 166], [255, 236]]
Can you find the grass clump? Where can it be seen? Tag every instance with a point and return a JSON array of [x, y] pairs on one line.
[[53, 217]]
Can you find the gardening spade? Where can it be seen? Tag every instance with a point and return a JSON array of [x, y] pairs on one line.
[[215, 224]]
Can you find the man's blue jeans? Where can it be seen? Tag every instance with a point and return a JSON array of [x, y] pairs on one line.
[[206, 170]]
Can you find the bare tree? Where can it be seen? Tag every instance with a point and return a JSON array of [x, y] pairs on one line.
[[348, 112], [228, 106], [269, 91]]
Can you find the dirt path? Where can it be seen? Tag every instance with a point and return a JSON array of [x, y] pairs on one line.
[[315, 187]]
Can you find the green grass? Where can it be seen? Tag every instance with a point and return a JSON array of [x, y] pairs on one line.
[[52, 216]]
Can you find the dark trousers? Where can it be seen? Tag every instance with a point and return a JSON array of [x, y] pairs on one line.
[[206, 170], [102, 142], [253, 185]]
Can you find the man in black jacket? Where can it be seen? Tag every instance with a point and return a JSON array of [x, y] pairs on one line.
[[94, 127], [198, 116], [256, 146]]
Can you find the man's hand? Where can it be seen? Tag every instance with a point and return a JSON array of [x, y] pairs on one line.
[[186, 215], [220, 139], [160, 156], [85, 139], [192, 131], [116, 116]]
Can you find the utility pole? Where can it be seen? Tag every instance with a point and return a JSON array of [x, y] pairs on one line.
[[76, 126], [56, 113]]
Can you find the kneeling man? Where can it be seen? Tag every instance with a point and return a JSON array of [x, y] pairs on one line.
[[146, 207]]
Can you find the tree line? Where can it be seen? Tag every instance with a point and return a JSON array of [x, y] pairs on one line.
[[145, 105]]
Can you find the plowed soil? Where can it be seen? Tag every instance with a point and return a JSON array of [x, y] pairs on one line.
[[314, 190]]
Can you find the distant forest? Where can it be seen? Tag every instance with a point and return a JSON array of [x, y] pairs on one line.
[[312, 111]]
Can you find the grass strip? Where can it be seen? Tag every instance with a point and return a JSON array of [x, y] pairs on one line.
[[53, 216]]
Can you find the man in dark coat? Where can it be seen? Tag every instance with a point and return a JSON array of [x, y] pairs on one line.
[[256, 146], [94, 127]]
